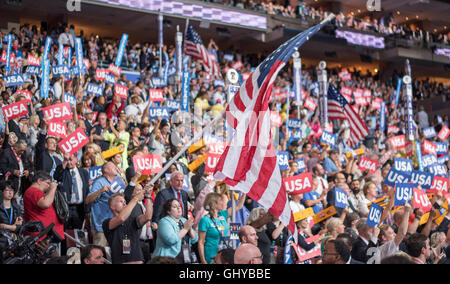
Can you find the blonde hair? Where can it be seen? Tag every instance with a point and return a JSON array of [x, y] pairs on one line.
[[255, 214], [366, 187], [212, 201], [34, 118], [332, 224]]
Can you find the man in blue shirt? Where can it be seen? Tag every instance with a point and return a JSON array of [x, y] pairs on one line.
[[313, 199], [102, 188], [330, 165]]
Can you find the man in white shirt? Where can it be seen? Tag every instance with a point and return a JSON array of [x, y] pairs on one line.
[[136, 108], [66, 38], [423, 118]]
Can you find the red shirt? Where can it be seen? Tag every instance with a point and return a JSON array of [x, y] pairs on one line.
[[32, 212]]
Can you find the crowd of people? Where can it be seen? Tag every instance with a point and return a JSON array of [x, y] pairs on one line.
[[384, 25], [122, 216]]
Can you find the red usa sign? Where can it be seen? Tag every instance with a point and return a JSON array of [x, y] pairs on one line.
[[147, 164], [26, 94], [15, 110], [345, 76], [115, 70], [393, 129], [74, 141], [429, 147], [376, 104], [421, 200], [310, 104], [367, 94], [211, 162], [444, 133], [156, 95], [100, 74], [238, 65], [11, 60], [440, 184], [121, 91], [35, 61], [398, 142], [58, 112], [367, 164], [276, 119], [298, 184], [57, 129], [347, 93], [217, 148], [305, 255]]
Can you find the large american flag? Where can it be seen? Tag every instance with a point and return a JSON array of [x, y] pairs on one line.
[[339, 108], [195, 48], [249, 162]]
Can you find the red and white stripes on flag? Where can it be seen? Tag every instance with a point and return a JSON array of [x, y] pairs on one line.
[[339, 108], [249, 162], [194, 47]]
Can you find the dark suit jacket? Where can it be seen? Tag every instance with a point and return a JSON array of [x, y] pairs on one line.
[[43, 160], [8, 163], [165, 195], [353, 261], [359, 250], [64, 179], [14, 127]]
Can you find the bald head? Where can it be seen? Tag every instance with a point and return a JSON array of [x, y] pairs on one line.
[[247, 234], [247, 254]]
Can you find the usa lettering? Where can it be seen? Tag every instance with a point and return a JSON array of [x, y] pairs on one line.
[[95, 173], [33, 61], [440, 184], [403, 193], [329, 138], [94, 89], [211, 162], [422, 200], [148, 164], [282, 160], [422, 179], [368, 165], [58, 129], [73, 142], [115, 70], [429, 147], [158, 112], [60, 70], [121, 91], [14, 80], [58, 113], [217, 148], [398, 142], [15, 110], [156, 95], [175, 105], [374, 215], [298, 184], [341, 197], [403, 165], [395, 177]]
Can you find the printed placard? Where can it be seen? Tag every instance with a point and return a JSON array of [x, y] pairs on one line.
[[276, 119], [58, 112], [429, 160], [57, 129], [95, 172], [68, 98], [421, 200], [300, 215], [310, 104], [437, 170], [217, 147], [398, 142], [33, 70], [60, 70], [403, 165], [429, 132], [211, 162], [115, 70], [74, 142], [440, 184], [345, 76], [26, 94], [156, 112], [347, 93], [34, 61], [341, 200], [283, 160], [94, 89], [393, 129], [305, 255], [110, 79], [14, 80], [403, 193], [324, 214], [112, 152], [421, 178], [294, 123], [301, 164], [369, 165], [100, 74], [441, 148], [298, 184], [444, 133], [374, 216], [147, 164], [156, 95], [394, 177], [328, 138], [428, 147], [14, 110], [121, 91]]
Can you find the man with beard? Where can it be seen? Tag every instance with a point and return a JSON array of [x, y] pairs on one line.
[[355, 197]]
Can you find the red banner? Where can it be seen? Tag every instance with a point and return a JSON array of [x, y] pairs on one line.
[[421, 200], [121, 91], [115, 70], [238, 65], [393, 129], [35, 61], [15, 110], [211, 162], [57, 129], [74, 142], [399, 142], [429, 147], [26, 94], [298, 184], [156, 95], [440, 184], [345, 76], [305, 255], [58, 112], [310, 104], [444, 133], [369, 165], [376, 104], [367, 95], [100, 74], [147, 164], [217, 148]]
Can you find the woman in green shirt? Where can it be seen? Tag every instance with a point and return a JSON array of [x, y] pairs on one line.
[[117, 137]]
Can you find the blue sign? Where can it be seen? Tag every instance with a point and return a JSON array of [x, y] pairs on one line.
[[422, 178], [79, 55], [441, 148], [429, 132], [294, 123], [185, 90], [283, 160], [117, 186], [68, 98], [33, 70], [403, 165], [156, 112], [48, 43], [374, 215], [437, 169], [287, 250], [60, 54], [443, 159], [394, 177], [14, 80], [301, 165], [340, 200], [123, 43], [94, 89], [173, 105], [228, 57], [8, 53], [60, 70], [110, 79], [158, 82], [76, 71], [219, 83], [419, 156], [95, 172], [383, 116], [297, 135], [428, 160], [397, 91], [328, 138], [403, 193], [45, 84]]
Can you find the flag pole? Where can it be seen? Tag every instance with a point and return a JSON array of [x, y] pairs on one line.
[[193, 140]]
